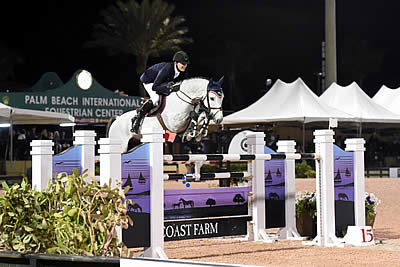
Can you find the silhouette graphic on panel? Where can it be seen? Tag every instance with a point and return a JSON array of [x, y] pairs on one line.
[[187, 203], [268, 179], [134, 207], [177, 205], [238, 198], [338, 178], [142, 180], [273, 196], [343, 196], [211, 202], [128, 182]]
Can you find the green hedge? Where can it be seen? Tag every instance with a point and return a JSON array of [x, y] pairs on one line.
[[71, 216], [303, 170]]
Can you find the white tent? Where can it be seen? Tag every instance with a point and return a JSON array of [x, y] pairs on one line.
[[353, 100], [29, 116], [18, 116], [388, 98], [287, 102]]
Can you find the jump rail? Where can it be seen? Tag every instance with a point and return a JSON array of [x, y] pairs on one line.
[[237, 157], [207, 176]]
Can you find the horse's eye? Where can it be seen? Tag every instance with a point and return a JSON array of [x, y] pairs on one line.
[[212, 98]]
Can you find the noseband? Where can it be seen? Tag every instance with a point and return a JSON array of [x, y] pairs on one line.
[[207, 109], [218, 92]]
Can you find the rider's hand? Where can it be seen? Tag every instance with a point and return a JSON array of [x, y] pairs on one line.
[[170, 85], [175, 87]]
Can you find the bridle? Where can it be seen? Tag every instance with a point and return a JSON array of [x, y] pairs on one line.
[[214, 91], [202, 106], [207, 109], [199, 106]]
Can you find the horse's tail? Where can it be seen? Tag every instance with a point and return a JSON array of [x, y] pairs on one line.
[[110, 121]]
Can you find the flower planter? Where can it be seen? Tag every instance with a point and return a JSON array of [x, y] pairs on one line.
[[306, 226], [370, 220]]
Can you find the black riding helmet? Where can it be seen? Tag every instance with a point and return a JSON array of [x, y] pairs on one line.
[[181, 57]]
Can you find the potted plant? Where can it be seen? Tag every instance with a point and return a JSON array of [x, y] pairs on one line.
[[371, 202], [306, 212]]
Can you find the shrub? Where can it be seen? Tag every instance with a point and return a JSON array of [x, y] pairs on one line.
[[70, 217], [238, 167], [206, 168], [303, 170]]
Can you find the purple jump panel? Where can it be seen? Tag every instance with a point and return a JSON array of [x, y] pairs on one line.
[[205, 202], [68, 160], [205, 212], [136, 175], [274, 191], [343, 176]]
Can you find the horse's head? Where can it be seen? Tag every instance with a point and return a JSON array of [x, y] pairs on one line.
[[214, 99]]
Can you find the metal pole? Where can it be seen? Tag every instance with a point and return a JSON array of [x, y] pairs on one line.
[[330, 42], [304, 137], [11, 140]]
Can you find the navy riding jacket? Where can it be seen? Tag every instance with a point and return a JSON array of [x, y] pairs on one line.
[[160, 74]]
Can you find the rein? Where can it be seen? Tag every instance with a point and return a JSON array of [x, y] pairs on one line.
[[190, 103]]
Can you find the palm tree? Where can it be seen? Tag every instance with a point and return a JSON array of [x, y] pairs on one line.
[[143, 30]]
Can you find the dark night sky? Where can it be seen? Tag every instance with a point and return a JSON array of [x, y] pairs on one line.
[[247, 41]]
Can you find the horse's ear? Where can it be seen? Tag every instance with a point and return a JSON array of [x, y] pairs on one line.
[[221, 81]]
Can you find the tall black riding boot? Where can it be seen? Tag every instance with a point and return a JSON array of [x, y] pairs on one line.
[[137, 120]]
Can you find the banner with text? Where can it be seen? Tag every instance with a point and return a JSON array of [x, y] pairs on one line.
[[94, 105]]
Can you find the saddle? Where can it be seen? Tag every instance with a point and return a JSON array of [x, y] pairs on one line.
[[159, 108], [162, 100]]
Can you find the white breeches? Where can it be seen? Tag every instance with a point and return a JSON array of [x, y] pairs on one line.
[[153, 95]]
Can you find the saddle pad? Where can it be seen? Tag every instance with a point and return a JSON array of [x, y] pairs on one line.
[[159, 108]]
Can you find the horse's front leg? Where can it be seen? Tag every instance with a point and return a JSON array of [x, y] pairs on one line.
[[203, 123], [191, 131]]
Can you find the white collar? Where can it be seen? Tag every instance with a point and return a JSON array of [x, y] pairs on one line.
[[176, 71]]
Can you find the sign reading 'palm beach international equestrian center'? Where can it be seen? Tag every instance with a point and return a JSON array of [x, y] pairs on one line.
[[81, 97]]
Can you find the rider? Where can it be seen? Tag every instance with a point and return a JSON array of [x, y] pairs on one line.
[[158, 80]]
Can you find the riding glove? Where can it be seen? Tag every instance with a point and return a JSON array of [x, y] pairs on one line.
[[175, 87]]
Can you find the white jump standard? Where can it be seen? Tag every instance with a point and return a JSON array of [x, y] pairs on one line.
[[111, 156]]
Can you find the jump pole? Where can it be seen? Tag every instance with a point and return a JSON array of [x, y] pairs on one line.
[[87, 140], [326, 231], [289, 231], [154, 137], [356, 145], [256, 198], [42, 169]]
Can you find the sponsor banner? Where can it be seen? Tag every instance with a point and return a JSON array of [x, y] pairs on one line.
[[95, 104], [205, 228]]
